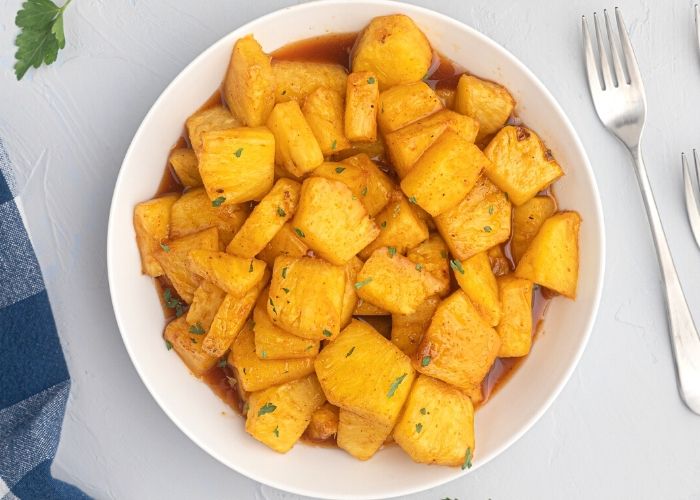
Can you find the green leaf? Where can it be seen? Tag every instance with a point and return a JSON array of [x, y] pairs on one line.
[[168, 345], [299, 232], [391, 251], [36, 14], [350, 351], [467, 459], [222, 363], [263, 354], [238, 152], [276, 432], [457, 266], [419, 427], [165, 247], [364, 191], [487, 229], [334, 144], [423, 411], [371, 80], [395, 385], [425, 361], [413, 200], [362, 283], [281, 212], [383, 224], [419, 267], [490, 209], [327, 333], [217, 202], [57, 30], [250, 269], [284, 272], [197, 329], [339, 170], [266, 408], [286, 290]]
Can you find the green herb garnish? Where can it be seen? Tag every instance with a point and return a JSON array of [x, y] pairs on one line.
[[266, 408], [419, 427], [281, 212], [276, 432], [197, 329], [352, 349], [217, 202], [222, 363], [238, 152], [165, 247], [467, 460], [391, 251], [299, 232], [425, 361], [383, 224], [423, 411], [457, 266], [395, 385], [173, 303], [327, 333], [364, 191], [371, 80], [263, 354], [412, 199], [284, 272], [443, 254], [286, 290], [362, 283], [487, 229], [490, 209], [168, 345], [419, 267], [333, 144], [339, 170], [250, 269]]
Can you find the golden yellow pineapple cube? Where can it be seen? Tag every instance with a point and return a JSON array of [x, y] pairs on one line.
[[173, 257], [407, 144], [369, 184], [208, 120], [230, 319], [272, 342], [205, 304], [364, 308], [392, 282], [487, 102], [278, 416], [238, 164], [298, 79], [521, 165], [186, 166], [152, 226], [350, 296], [432, 256], [475, 276], [193, 212], [364, 373], [527, 220], [306, 297], [360, 436], [446, 172], [324, 423], [515, 328], [324, 112], [458, 347], [296, 148], [361, 104], [551, 260], [249, 85], [400, 227], [407, 329], [404, 104], [234, 275], [395, 49], [437, 424], [481, 220], [285, 242], [332, 221], [255, 374], [188, 346], [266, 219]]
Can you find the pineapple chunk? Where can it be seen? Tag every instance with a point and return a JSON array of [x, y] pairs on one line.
[[400, 227], [234, 275], [324, 423], [268, 217], [279, 415], [437, 425], [272, 342], [476, 278], [285, 242], [306, 297], [521, 165], [447, 97], [369, 184], [297, 79], [488, 103], [515, 328], [231, 318], [249, 85], [255, 374], [186, 166], [237, 165], [361, 103], [332, 221], [173, 257], [208, 120], [188, 346], [432, 256], [395, 49], [364, 308], [458, 347], [404, 104], [360, 436], [194, 212], [527, 220], [296, 148], [446, 172], [152, 224], [551, 260], [324, 112], [350, 296], [500, 264], [364, 373], [374, 150], [478, 222], [206, 302], [407, 144], [407, 329], [392, 282]]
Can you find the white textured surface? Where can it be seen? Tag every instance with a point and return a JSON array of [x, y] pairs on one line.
[[617, 430]]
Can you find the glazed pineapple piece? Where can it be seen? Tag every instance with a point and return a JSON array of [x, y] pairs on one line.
[[324, 110], [188, 346], [360, 436], [186, 166], [476, 278], [296, 80], [515, 328], [208, 120], [487, 102], [432, 256], [527, 220], [324, 423], [205, 304], [437, 424], [234, 275], [407, 329], [361, 104], [285, 242], [350, 298], [296, 147], [404, 104], [152, 225], [279, 415]]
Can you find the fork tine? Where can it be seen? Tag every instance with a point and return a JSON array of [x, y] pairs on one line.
[[604, 64], [591, 67], [628, 51], [691, 203], [619, 72]]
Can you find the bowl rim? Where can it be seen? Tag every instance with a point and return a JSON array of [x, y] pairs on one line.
[[579, 151]]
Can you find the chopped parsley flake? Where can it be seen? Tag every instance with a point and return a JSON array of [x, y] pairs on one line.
[[487, 229], [173, 303], [425, 361], [383, 224], [299, 232], [276, 432], [263, 354], [286, 290], [281, 212], [412, 199], [250, 269], [490, 209], [419, 427], [339, 170], [391, 251], [334, 144], [222, 363], [395, 385], [266, 408], [419, 267], [238, 152], [467, 460], [197, 329], [217, 202], [309, 347], [371, 80], [165, 247], [352, 349], [168, 345], [362, 283], [273, 306], [423, 411], [364, 191], [457, 266], [327, 333], [284, 272]]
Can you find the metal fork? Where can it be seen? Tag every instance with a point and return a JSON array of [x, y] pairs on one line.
[[621, 106]]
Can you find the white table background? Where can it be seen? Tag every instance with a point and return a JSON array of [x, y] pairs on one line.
[[618, 430]]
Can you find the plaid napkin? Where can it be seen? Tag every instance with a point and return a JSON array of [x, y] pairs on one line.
[[34, 379]]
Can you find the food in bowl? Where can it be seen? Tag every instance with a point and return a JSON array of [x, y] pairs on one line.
[[357, 251]]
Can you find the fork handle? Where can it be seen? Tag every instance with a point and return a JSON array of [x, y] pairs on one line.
[[684, 336]]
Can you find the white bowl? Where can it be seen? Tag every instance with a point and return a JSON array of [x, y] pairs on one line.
[[328, 472]]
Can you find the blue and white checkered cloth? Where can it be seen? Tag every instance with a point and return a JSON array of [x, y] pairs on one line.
[[34, 380]]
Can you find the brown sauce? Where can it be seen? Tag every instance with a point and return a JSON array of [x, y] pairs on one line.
[[223, 382]]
